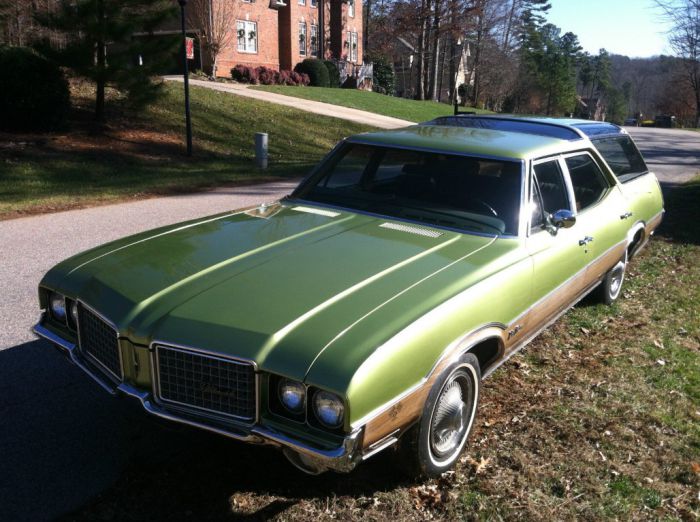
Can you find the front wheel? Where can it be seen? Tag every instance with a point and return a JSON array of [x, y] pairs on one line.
[[433, 445]]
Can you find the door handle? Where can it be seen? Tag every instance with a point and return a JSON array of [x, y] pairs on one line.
[[585, 240], [626, 215]]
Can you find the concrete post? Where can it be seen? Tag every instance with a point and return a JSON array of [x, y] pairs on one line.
[[261, 150]]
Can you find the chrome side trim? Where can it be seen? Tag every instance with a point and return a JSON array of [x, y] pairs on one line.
[[382, 444]]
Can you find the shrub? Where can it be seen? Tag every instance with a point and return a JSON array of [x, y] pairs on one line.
[[35, 95], [267, 76], [316, 71], [245, 74], [333, 74], [384, 79]]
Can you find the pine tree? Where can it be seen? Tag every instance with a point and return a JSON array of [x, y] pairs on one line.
[[110, 43]]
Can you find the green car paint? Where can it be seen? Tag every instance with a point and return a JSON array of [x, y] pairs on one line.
[[333, 297]]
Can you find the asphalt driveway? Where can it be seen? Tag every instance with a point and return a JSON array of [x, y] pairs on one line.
[[62, 439]]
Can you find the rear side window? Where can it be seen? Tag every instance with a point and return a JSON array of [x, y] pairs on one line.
[[587, 180], [622, 155]]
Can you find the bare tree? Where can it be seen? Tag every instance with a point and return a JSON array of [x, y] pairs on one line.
[[217, 21], [684, 37]]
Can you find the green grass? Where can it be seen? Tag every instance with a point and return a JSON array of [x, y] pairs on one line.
[[402, 108], [141, 154]]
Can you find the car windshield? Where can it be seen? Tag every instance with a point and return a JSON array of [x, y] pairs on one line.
[[447, 190]]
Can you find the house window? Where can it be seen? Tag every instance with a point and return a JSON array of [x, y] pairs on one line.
[[302, 38], [314, 40], [302, 2], [314, 3], [351, 8], [353, 47], [247, 33]]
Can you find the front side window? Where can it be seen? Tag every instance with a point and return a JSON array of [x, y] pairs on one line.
[[351, 8], [462, 192], [314, 3], [302, 38], [302, 2], [622, 155], [587, 180], [548, 193], [247, 33]]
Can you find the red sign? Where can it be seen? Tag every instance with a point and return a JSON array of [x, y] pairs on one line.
[[189, 47]]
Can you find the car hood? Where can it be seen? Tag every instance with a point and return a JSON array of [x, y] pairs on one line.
[[274, 284]]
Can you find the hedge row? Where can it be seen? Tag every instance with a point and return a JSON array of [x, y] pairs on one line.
[[266, 76]]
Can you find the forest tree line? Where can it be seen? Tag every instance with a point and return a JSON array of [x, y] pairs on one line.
[[519, 62]]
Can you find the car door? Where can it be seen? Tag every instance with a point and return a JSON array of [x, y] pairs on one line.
[[558, 260], [599, 204]]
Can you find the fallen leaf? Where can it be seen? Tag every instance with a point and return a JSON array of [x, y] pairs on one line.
[[695, 467], [585, 331], [659, 344], [661, 362]]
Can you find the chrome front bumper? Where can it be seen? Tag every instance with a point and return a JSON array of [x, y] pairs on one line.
[[343, 458]]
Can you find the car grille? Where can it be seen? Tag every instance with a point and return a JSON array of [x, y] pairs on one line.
[[205, 382], [98, 340]]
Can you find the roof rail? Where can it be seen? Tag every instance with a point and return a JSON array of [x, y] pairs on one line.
[[510, 124]]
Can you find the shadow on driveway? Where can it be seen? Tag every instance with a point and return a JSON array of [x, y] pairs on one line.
[[66, 445]]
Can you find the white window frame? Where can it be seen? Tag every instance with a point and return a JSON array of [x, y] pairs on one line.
[[244, 45], [302, 2], [313, 47], [351, 8], [353, 46], [302, 31]]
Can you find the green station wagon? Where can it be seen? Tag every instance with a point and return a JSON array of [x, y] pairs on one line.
[[362, 312]]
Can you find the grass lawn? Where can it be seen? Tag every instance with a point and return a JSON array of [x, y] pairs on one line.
[[141, 154], [597, 419], [402, 108]]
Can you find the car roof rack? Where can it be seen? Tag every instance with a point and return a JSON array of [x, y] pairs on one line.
[[564, 130]]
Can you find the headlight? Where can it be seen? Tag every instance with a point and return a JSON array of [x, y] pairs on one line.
[[73, 313], [57, 304], [329, 409], [292, 395]]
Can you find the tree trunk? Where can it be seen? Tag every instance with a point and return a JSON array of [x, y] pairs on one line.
[[101, 64], [420, 86], [436, 52]]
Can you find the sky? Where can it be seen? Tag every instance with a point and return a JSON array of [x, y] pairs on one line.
[[629, 27]]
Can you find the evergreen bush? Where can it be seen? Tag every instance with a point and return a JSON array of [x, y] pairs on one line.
[[35, 94]]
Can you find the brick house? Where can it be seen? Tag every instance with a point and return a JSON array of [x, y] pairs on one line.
[[281, 33]]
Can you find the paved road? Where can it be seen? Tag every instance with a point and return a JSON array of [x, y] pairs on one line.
[[325, 109], [62, 439], [673, 154]]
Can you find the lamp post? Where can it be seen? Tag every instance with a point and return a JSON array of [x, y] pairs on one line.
[[188, 119]]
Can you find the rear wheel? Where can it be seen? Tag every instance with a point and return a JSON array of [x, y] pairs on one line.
[[611, 287], [433, 445]]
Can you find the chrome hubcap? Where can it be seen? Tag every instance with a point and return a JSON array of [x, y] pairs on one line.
[[616, 280], [450, 418]]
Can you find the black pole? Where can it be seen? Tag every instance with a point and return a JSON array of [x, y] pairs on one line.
[[188, 119]]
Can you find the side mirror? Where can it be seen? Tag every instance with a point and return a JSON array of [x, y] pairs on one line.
[[562, 219]]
